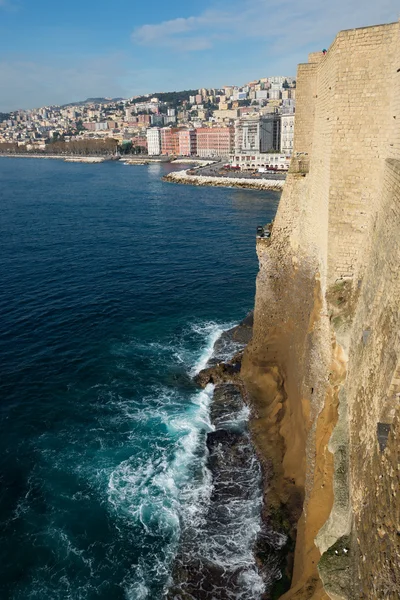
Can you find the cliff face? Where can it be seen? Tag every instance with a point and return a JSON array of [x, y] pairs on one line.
[[323, 368]]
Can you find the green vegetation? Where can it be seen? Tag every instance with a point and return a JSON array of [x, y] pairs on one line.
[[128, 148], [90, 147], [172, 98], [4, 116], [79, 125], [92, 101]]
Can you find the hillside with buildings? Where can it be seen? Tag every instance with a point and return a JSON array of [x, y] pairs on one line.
[[244, 124], [323, 368]]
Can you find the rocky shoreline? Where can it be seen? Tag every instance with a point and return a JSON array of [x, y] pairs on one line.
[[203, 180], [240, 481]]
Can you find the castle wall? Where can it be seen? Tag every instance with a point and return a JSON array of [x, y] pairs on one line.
[[323, 367]]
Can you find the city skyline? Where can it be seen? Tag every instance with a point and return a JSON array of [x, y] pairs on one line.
[[65, 53]]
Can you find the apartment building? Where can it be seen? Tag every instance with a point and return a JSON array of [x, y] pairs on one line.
[[215, 141], [287, 134], [255, 133], [154, 141], [170, 141], [187, 142]]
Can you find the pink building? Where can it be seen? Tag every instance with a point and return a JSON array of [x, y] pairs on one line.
[[215, 141], [170, 141], [141, 141], [187, 142]]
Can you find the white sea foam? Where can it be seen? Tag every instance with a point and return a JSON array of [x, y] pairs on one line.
[[212, 331], [172, 487]]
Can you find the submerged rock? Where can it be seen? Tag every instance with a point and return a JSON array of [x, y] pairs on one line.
[[219, 556], [226, 362]]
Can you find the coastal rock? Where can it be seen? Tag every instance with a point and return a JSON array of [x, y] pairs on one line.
[[210, 563], [202, 180], [220, 373], [225, 363]]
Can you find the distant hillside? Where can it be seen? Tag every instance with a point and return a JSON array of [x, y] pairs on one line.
[[93, 101], [4, 116], [169, 97]]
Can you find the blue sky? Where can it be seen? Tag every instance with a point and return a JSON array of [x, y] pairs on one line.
[[53, 52]]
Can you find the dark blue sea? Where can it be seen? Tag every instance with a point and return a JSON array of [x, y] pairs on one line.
[[114, 288]]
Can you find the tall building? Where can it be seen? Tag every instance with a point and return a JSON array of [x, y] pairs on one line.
[[257, 133], [287, 134], [157, 119], [170, 141], [154, 141], [187, 142], [215, 141]]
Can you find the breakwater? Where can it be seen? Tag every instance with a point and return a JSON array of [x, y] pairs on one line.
[[203, 180]]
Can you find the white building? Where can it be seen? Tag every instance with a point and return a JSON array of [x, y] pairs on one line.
[[153, 135], [287, 134], [274, 94], [261, 161], [237, 95], [262, 95]]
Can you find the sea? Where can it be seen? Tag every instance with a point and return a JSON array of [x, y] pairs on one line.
[[114, 288]]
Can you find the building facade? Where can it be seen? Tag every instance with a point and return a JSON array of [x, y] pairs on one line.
[[287, 134], [154, 141], [257, 133], [261, 161], [170, 141], [139, 141], [187, 142], [215, 141]]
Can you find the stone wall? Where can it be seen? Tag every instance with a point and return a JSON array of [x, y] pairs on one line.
[[323, 367]]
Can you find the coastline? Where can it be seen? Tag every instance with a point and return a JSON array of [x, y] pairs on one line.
[[76, 159], [183, 177], [273, 546]]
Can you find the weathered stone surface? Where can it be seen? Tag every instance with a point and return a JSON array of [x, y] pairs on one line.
[[323, 367], [223, 367]]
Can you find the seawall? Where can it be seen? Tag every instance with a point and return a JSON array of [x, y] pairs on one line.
[[323, 367], [241, 182]]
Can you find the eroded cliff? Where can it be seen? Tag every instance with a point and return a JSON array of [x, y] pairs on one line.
[[323, 367]]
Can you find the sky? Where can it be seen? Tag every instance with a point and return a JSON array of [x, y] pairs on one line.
[[54, 52]]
